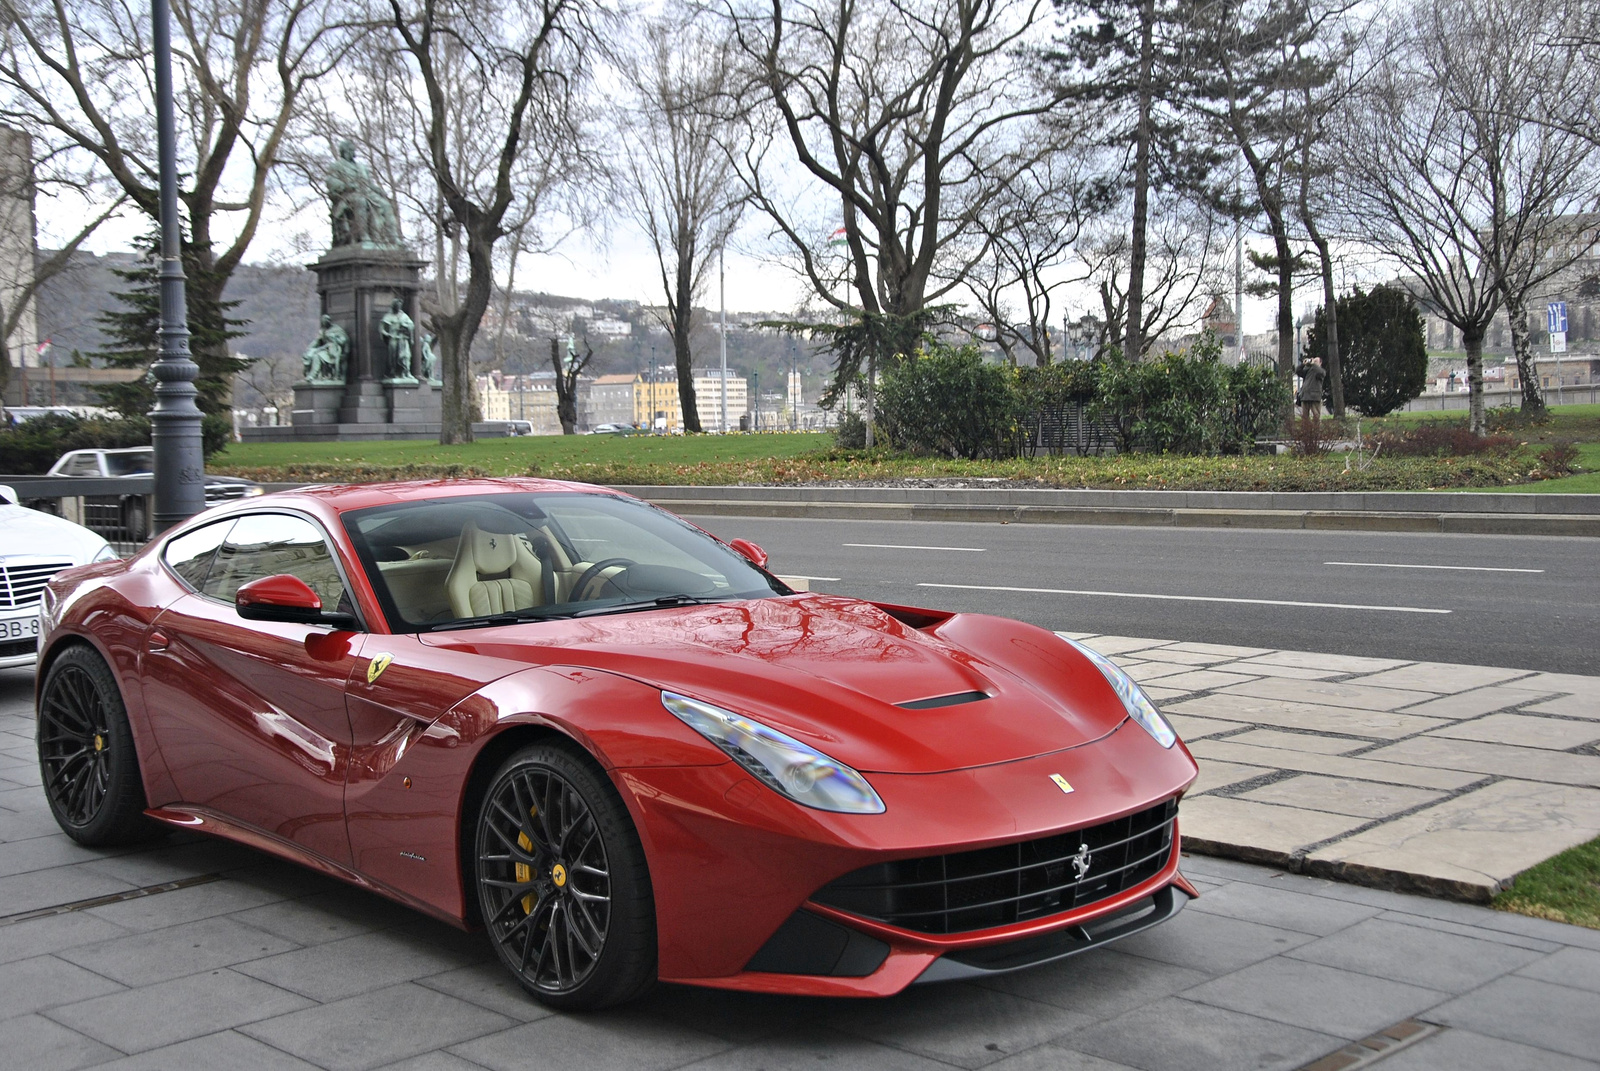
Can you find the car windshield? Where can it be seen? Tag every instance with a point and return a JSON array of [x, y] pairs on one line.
[[454, 563], [134, 461]]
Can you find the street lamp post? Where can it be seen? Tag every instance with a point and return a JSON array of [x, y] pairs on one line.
[[175, 420]]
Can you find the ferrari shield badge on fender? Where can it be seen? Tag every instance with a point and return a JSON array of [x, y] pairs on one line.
[[380, 662], [1062, 783]]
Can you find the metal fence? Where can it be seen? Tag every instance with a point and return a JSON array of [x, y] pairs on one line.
[[1439, 403], [1068, 429]]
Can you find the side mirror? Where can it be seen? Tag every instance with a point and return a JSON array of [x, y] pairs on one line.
[[285, 598], [757, 556]]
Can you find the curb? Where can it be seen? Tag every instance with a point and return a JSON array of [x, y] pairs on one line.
[[1545, 524], [1400, 881]]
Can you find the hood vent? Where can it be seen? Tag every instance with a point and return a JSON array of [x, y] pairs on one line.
[[955, 699]]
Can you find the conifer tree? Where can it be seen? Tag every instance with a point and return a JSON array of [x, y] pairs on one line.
[[134, 333]]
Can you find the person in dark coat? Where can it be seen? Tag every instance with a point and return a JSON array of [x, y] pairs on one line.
[[1310, 397]]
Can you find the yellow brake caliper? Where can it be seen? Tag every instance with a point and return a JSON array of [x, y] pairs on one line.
[[523, 871]]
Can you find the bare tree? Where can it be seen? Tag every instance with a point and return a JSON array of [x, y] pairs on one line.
[[678, 170], [77, 77], [495, 96], [1447, 177], [1185, 256], [1030, 232], [1255, 68], [907, 119]]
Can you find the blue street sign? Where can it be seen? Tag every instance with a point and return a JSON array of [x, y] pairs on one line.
[[1556, 317]]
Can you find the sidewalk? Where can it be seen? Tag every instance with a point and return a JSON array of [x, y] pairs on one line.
[[1417, 776], [1475, 513], [204, 955]]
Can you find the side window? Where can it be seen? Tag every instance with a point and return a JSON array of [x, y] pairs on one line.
[[267, 544], [85, 464], [190, 555]]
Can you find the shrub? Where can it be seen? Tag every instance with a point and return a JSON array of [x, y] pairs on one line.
[[1189, 404], [30, 448], [851, 433], [1383, 352], [1557, 459], [948, 402], [1437, 439]]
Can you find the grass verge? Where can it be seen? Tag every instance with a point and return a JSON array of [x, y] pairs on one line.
[[1565, 888]]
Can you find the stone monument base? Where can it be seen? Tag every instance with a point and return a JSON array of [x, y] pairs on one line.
[[425, 431], [317, 403]]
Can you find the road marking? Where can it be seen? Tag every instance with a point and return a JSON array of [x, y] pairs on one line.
[[797, 576], [1193, 598], [1461, 568], [902, 546]]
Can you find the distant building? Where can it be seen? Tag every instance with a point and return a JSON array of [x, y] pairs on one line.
[[611, 400], [611, 328], [531, 397], [708, 399], [655, 402]]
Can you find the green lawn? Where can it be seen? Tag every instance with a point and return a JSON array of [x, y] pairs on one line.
[[505, 457], [1565, 888], [786, 458]]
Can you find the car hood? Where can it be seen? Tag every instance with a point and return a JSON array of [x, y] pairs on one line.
[[30, 532], [835, 672]]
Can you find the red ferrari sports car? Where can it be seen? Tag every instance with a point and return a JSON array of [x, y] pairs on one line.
[[620, 746]]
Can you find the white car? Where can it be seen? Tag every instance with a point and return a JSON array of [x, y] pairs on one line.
[[131, 513], [34, 547]]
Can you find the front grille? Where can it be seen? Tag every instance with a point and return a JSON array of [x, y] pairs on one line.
[[13, 648], [21, 583], [222, 492], [976, 890]]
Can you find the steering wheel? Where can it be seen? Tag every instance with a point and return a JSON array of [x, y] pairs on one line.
[[595, 570]]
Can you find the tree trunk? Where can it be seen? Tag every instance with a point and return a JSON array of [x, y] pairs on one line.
[[456, 333], [1472, 342], [566, 404], [1532, 396], [1330, 319], [871, 399], [682, 322], [1133, 343], [1280, 242]]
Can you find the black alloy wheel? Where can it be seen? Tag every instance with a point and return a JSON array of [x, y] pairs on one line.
[[86, 756], [562, 882]]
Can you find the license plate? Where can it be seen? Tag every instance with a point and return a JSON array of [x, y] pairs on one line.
[[20, 628]]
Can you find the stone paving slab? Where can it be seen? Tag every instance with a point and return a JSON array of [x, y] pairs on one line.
[[1438, 778]]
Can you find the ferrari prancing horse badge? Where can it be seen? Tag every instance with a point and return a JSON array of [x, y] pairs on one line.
[[379, 663]]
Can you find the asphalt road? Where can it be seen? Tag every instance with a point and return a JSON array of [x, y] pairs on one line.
[[1528, 602]]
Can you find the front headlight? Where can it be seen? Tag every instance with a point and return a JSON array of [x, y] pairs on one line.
[[781, 762], [1137, 704]]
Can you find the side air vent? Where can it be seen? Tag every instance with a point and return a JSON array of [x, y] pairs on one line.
[[955, 699]]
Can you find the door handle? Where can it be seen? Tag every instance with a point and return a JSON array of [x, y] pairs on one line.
[[158, 641]]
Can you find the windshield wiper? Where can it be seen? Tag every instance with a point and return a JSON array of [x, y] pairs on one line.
[[652, 604], [510, 617]]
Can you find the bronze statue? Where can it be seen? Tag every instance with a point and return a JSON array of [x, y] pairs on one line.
[[397, 330], [361, 214], [324, 358], [430, 357]]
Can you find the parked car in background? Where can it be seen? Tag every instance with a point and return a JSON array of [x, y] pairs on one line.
[[131, 513], [613, 429], [34, 547], [519, 427]]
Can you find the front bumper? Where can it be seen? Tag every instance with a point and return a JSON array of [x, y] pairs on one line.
[[732, 863]]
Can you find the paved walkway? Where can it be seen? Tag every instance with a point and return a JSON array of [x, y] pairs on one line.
[[253, 963], [1419, 776]]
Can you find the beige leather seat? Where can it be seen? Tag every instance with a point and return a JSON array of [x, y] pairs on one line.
[[493, 573]]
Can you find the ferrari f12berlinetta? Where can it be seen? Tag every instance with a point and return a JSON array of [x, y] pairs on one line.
[[621, 747]]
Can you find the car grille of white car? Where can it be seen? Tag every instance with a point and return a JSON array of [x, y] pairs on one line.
[[21, 583]]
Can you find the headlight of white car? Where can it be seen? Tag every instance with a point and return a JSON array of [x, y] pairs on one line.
[[779, 761], [1137, 704]]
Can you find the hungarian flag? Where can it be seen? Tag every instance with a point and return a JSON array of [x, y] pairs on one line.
[[840, 237]]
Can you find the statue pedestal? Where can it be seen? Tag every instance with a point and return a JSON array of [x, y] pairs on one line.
[[405, 400], [317, 403], [358, 284], [364, 403]]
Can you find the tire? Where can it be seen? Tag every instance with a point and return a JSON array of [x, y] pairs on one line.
[[562, 881], [86, 755]]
